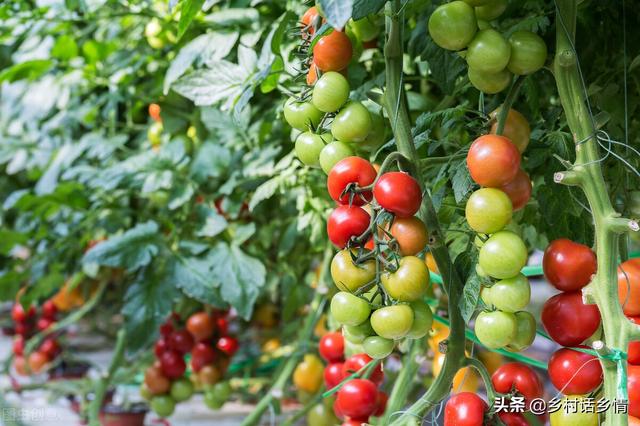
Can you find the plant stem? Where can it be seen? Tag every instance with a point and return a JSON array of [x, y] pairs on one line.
[[587, 174], [396, 105], [508, 101]]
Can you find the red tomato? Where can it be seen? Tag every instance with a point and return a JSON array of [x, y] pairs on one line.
[[22, 329], [166, 329], [222, 325], [351, 170], [180, 341], [634, 421], [569, 321], [356, 362], [308, 20], [331, 347], [202, 354], [160, 347], [398, 193], [629, 286], [49, 310], [513, 419], [337, 410], [154, 112], [18, 314], [573, 372], [567, 265], [353, 422], [333, 374], [633, 387], [201, 325], [518, 190], [346, 222], [18, 345], [493, 161], [228, 345], [332, 52], [633, 352], [464, 409], [520, 377], [44, 323], [382, 404], [172, 364], [50, 347], [358, 398]]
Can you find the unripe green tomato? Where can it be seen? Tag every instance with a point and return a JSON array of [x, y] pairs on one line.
[[153, 28], [154, 133], [212, 401], [488, 52], [222, 390], [181, 390], [348, 276], [409, 282], [308, 148], [158, 198], [528, 53], [483, 25], [155, 42], [163, 405], [489, 83], [378, 347], [495, 329], [349, 309], [511, 294], [488, 210], [392, 322], [334, 152], [377, 135], [350, 349], [503, 255], [480, 271], [356, 45], [352, 124], [491, 10], [366, 29], [320, 415], [453, 25], [330, 92], [422, 320], [476, 3], [525, 332], [145, 392], [565, 416], [357, 333], [485, 295], [301, 115]]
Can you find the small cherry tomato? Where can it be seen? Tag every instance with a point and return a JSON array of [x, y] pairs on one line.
[[154, 112], [18, 313], [629, 286], [331, 347], [160, 347], [333, 374], [573, 372], [347, 222], [202, 354], [37, 361], [358, 398], [398, 193], [18, 345], [568, 320], [309, 374], [518, 190], [348, 276], [358, 361], [493, 161], [519, 377], [453, 25], [567, 265], [351, 171], [172, 364], [633, 386], [201, 326], [228, 345], [49, 347], [333, 51], [464, 409], [411, 235], [409, 282], [180, 341], [516, 128], [633, 353], [49, 310], [156, 382], [44, 323]]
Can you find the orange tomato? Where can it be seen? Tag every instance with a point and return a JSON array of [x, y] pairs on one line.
[[491, 360], [154, 112], [20, 365], [37, 361], [309, 374], [516, 128], [431, 263], [333, 52], [321, 327], [66, 300], [271, 345], [437, 335], [209, 375], [634, 421], [629, 286], [465, 380], [411, 235], [155, 381]]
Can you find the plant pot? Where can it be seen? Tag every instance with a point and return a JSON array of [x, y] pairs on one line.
[[115, 415], [68, 371]]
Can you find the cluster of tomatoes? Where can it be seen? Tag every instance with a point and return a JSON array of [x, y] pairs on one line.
[[205, 338], [353, 127], [356, 400], [492, 60], [27, 323], [494, 164]]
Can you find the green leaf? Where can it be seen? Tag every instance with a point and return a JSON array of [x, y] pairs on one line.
[[337, 12], [362, 8], [9, 239], [212, 160], [233, 17], [190, 8], [27, 70], [10, 282], [461, 182], [192, 275], [445, 66], [65, 48], [210, 222], [280, 31], [222, 83], [470, 296], [131, 250]]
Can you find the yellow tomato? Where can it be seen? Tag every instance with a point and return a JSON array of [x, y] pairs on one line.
[[465, 380], [491, 360], [438, 333], [271, 345], [321, 326], [266, 315], [309, 374]]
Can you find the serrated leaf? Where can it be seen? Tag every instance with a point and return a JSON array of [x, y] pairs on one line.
[[265, 191], [211, 223], [192, 275], [362, 8], [470, 296], [461, 182], [190, 9], [445, 66], [337, 12], [222, 83]]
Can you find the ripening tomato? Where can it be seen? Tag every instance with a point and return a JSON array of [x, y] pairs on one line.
[[349, 276], [567, 265], [172, 364], [633, 387], [568, 320], [489, 83], [310, 16], [18, 345], [308, 375], [333, 51], [525, 332], [453, 25], [358, 398], [488, 210], [528, 52], [565, 415], [227, 345], [516, 128], [465, 409], [202, 354], [392, 322], [49, 310], [357, 362], [633, 353], [503, 255], [573, 372], [352, 124], [50, 347], [330, 92], [156, 382], [209, 375], [518, 190], [493, 161], [629, 286], [349, 309], [495, 329], [409, 282], [201, 326], [301, 115], [37, 361], [180, 341], [154, 112], [18, 313], [411, 235], [346, 222], [333, 374], [351, 171], [488, 51], [521, 377], [398, 193], [331, 347]]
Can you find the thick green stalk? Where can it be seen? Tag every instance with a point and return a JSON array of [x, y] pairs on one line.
[[587, 174], [396, 106]]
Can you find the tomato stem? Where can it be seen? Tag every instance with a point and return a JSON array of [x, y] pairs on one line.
[[508, 102]]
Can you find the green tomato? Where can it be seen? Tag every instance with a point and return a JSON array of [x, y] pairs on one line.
[[222, 390], [488, 52], [378, 347], [495, 329], [409, 282], [566, 417], [181, 390], [491, 10], [330, 92], [377, 135], [511, 294], [334, 152], [357, 333], [483, 25], [489, 83], [488, 210], [158, 198], [392, 322], [212, 400], [480, 271], [366, 29], [528, 52], [422, 320], [348, 276], [525, 332], [352, 124], [153, 28], [476, 3], [145, 392], [349, 309], [356, 45], [453, 25], [154, 133], [503, 255], [485, 295], [320, 415], [163, 405], [301, 115], [308, 148]]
